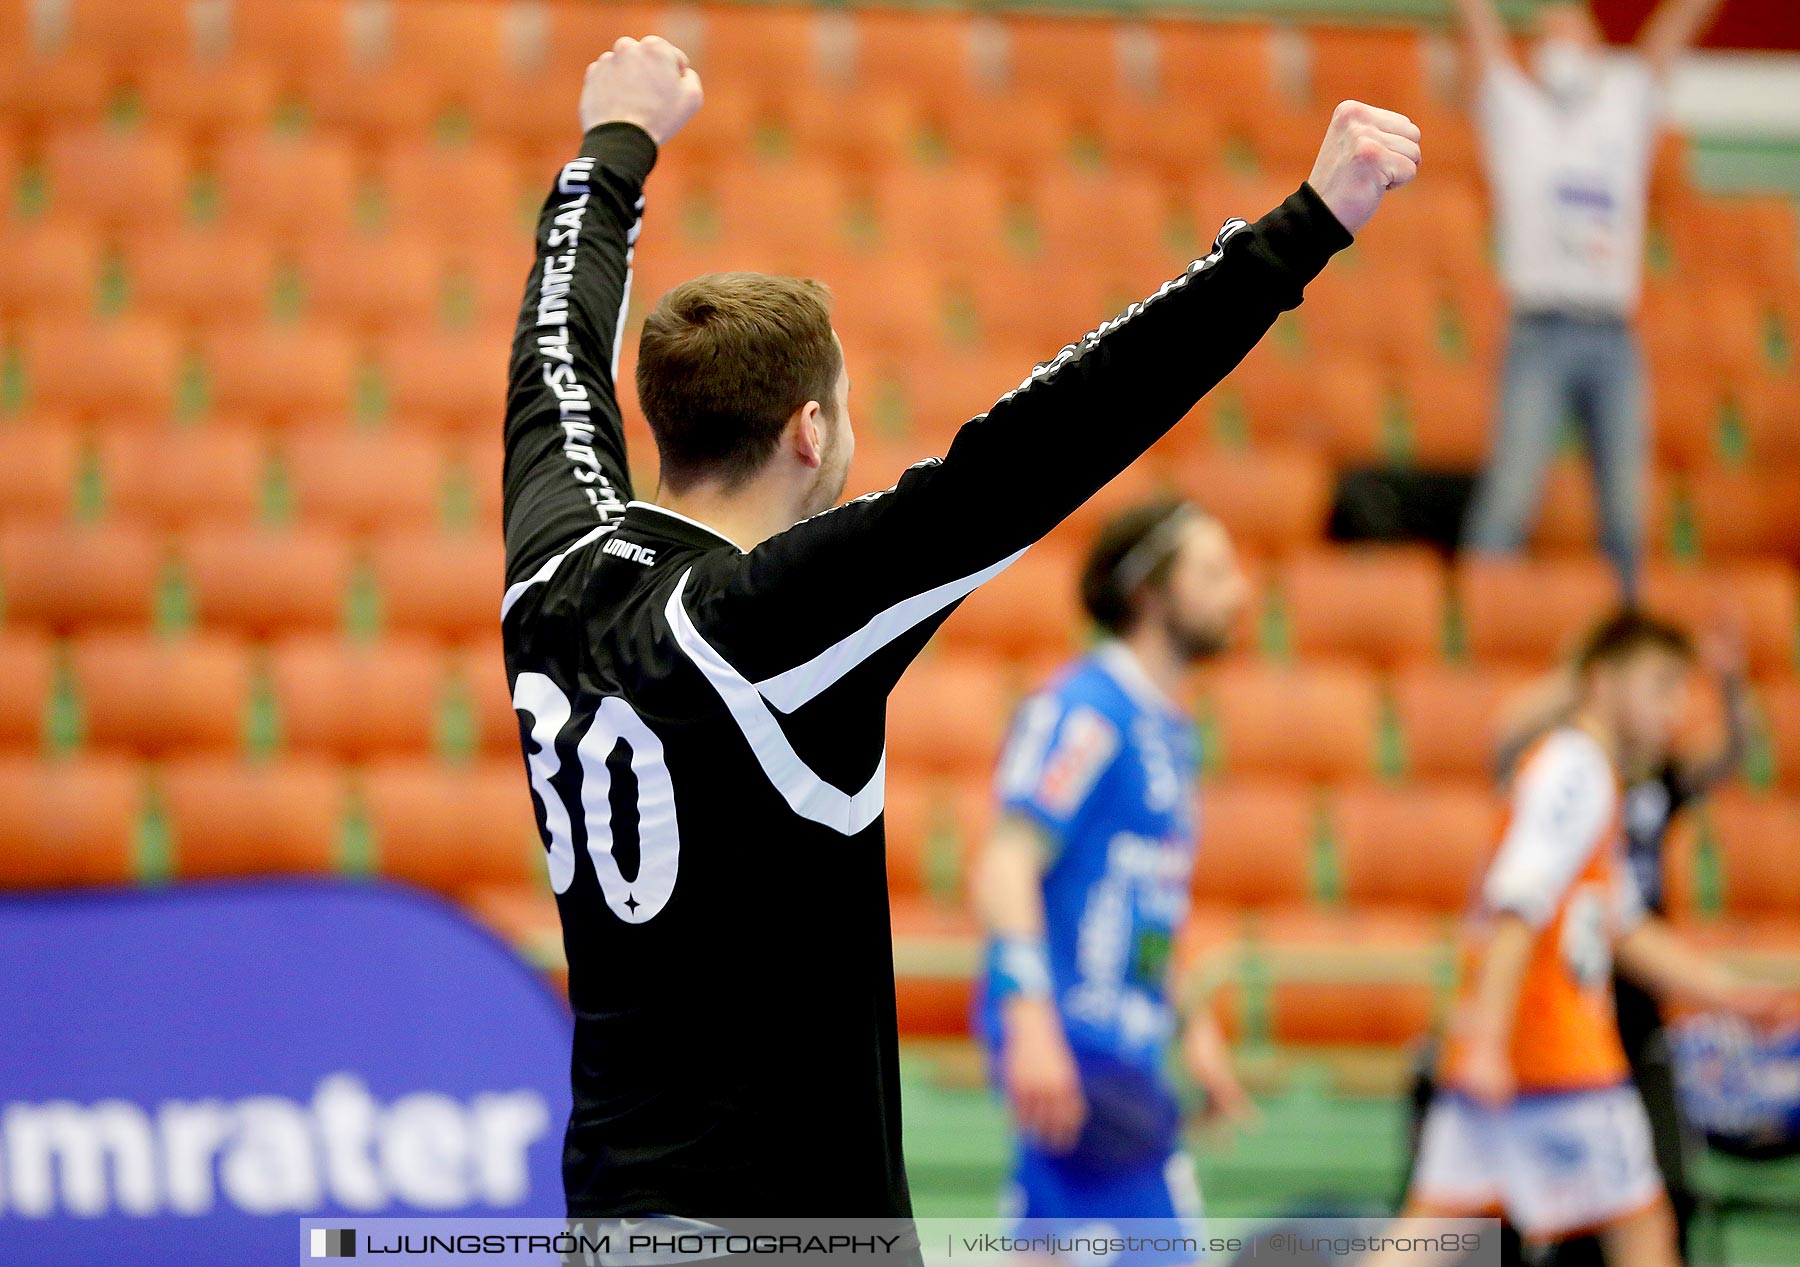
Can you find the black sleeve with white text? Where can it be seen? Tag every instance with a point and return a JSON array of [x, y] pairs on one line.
[[565, 472]]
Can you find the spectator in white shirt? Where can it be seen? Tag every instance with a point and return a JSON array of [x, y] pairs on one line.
[[1568, 149]]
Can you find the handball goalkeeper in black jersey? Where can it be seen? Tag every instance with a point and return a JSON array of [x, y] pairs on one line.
[[701, 679]]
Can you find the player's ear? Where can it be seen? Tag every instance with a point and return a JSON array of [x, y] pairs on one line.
[[806, 434]]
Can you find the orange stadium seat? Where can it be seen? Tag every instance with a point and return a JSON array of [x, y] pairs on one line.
[[390, 281], [482, 285], [1383, 605], [1335, 316], [267, 582], [357, 701], [1761, 597], [229, 818], [1685, 408], [947, 715], [67, 577], [1336, 1007], [579, 31], [448, 829], [1170, 141], [432, 584], [476, 38], [889, 308], [287, 186], [1228, 65], [1445, 227], [1272, 500], [208, 97], [1016, 136], [478, 464], [1023, 304], [526, 107], [1421, 846], [1255, 845], [294, 32], [1346, 405], [1568, 521], [49, 269], [470, 193], [1120, 218], [27, 674], [63, 90], [944, 395], [860, 131], [928, 54], [749, 50], [1029, 610], [457, 378], [365, 481], [87, 366], [956, 213], [1450, 717], [1742, 514], [1755, 838], [155, 696], [173, 477], [117, 178], [934, 826], [1522, 610], [1310, 721], [1377, 65], [1450, 408], [68, 822], [1770, 405], [478, 669], [188, 273], [276, 372], [760, 215], [1081, 59], [1780, 701], [39, 460]]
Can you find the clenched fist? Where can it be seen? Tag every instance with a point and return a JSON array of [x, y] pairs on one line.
[[1366, 153], [647, 82]]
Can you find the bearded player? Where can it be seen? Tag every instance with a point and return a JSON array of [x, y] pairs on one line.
[[1084, 884]]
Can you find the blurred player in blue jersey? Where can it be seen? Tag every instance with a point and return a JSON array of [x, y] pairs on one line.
[[1083, 887]]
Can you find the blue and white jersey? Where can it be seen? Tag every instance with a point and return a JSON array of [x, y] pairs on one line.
[[1105, 764]]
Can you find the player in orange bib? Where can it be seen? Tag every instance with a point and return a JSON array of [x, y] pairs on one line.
[[1536, 1117]]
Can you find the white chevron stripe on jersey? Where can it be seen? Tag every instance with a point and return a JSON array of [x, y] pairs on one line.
[[517, 589], [804, 682], [800, 786]]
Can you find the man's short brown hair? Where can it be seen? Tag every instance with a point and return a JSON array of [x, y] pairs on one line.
[[723, 363], [1627, 632]]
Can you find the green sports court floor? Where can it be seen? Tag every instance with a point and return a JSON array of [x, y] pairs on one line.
[[1317, 1150]]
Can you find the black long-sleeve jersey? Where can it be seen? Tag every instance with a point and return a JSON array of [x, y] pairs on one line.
[[703, 725]]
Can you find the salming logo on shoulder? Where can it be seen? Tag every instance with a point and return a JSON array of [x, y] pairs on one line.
[[624, 549], [555, 352]]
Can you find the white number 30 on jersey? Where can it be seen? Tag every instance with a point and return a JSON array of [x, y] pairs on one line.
[[541, 703]]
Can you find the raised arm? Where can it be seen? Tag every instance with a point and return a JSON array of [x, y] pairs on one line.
[[1484, 33], [1673, 28], [565, 472], [866, 573]]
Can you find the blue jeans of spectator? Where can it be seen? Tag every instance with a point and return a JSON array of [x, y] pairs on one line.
[[1558, 365]]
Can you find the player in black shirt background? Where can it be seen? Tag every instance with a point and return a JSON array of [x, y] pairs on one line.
[[701, 682]]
